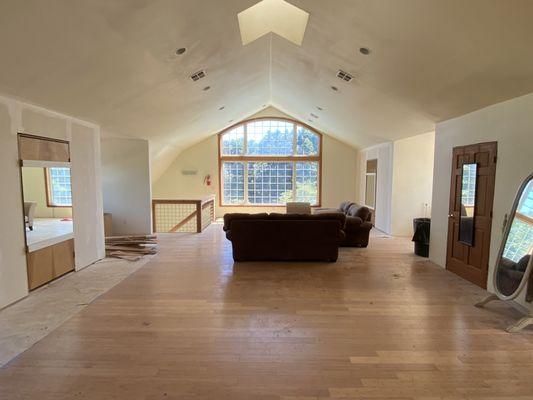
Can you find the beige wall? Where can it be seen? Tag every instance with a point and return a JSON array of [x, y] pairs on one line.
[[84, 140], [34, 186], [339, 173], [510, 124], [412, 181]]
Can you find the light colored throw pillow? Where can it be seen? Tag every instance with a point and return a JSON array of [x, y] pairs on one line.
[[298, 208]]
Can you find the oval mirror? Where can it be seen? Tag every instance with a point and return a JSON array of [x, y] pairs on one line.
[[514, 260]]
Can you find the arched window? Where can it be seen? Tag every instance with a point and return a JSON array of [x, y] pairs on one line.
[[269, 161]]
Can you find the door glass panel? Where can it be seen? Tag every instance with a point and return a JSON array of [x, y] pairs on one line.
[[468, 204]]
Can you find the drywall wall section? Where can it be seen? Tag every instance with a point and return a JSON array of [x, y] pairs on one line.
[[412, 181], [34, 185], [339, 173], [510, 124], [383, 153], [87, 205], [13, 278], [18, 117], [126, 187]]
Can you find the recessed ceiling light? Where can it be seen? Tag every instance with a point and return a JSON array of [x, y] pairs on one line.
[[334, 88], [221, 108], [180, 51], [364, 50], [314, 115], [206, 88], [319, 108]]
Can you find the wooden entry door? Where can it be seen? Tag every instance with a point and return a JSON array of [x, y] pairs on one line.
[[472, 262]]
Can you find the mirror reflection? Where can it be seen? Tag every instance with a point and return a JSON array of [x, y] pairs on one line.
[[518, 246], [468, 204]]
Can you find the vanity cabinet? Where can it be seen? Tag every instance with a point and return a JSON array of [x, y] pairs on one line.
[[50, 262]]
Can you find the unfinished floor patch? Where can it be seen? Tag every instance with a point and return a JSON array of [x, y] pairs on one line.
[[31, 319]]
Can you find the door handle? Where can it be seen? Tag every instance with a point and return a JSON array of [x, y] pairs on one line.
[[450, 215]]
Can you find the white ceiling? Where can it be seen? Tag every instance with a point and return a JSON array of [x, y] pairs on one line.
[[113, 62]]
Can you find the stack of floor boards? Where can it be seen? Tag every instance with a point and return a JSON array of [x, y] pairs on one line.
[[131, 248]]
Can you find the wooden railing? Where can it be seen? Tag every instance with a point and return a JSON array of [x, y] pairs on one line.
[[179, 215]]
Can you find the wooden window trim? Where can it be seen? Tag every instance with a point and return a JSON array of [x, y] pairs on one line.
[[244, 158], [47, 190]]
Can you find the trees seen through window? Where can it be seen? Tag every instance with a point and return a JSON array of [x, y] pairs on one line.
[[269, 162]]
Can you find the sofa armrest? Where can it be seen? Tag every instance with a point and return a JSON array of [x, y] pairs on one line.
[[366, 226], [353, 223]]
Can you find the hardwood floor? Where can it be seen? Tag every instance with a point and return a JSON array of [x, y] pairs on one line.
[[379, 324]]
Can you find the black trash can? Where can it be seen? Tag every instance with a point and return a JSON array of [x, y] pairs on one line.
[[421, 237]]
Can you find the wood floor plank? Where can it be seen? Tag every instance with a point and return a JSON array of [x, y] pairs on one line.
[[380, 323]]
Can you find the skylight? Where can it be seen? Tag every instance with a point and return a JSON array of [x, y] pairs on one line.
[[275, 16]]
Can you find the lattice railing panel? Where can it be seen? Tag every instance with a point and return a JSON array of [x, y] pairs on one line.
[[208, 214], [175, 217]]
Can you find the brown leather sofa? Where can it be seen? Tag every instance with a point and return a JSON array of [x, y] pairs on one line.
[[357, 226], [285, 237]]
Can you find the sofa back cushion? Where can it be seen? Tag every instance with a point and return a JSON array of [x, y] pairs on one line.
[[362, 212], [335, 216], [229, 218]]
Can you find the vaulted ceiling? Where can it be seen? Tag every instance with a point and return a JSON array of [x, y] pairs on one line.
[[113, 62]]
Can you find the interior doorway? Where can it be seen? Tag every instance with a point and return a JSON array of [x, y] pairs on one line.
[[371, 184], [47, 198], [470, 211]]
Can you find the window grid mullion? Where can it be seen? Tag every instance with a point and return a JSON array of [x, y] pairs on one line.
[[245, 145], [246, 182], [294, 139], [294, 181], [245, 152]]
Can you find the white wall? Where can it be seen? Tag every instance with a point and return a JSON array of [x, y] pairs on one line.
[[127, 192], [339, 173], [13, 279], [412, 181], [510, 124], [16, 117], [87, 205], [384, 154]]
